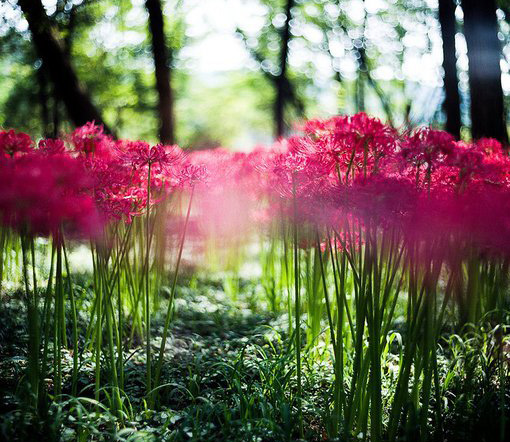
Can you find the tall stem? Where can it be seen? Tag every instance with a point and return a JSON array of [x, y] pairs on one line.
[[147, 286], [74, 378], [46, 316], [57, 352], [297, 309], [171, 300], [99, 329], [120, 356], [3, 236], [33, 328]]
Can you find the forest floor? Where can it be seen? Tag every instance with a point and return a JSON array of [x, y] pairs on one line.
[[228, 376]]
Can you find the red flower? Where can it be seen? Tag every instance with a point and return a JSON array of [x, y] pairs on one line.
[[428, 147], [51, 146], [192, 174], [88, 138], [139, 154], [351, 145], [12, 143], [42, 194]]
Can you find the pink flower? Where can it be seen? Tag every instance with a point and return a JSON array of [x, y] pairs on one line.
[[351, 145], [427, 147], [43, 194], [12, 144], [139, 154], [191, 174], [49, 146], [490, 147], [88, 138], [111, 179]]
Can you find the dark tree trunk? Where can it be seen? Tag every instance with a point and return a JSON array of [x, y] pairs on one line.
[[77, 102], [484, 52], [43, 101], [451, 87], [282, 84], [162, 70], [360, 92]]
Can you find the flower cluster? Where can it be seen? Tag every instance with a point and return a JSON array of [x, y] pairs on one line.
[[345, 167], [420, 182], [43, 193], [12, 144], [84, 180]]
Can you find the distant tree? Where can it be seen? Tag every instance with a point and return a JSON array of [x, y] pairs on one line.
[[52, 52], [274, 64], [43, 96], [283, 92], [484, 54], [451, 104], [162, 70], [336, 26]]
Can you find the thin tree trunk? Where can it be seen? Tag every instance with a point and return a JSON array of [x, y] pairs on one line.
[[359, 94], [484, 52], [282, 85], [56, 114], [43, 100], [383, 98], [451, 88], [77, 102], [162, 71]]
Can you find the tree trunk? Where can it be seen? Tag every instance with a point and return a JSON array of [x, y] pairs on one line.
[[43, 101], [162, 70], [77, 102], [282, 85], [484, 51], [451, 88]]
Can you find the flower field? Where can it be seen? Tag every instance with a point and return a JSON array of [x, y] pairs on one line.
[[347, 283]]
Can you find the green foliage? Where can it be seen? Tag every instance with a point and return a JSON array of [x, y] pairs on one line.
[[344, 56], [230, 374]]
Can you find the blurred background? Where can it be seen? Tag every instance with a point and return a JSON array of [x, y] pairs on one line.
[[237, 73]]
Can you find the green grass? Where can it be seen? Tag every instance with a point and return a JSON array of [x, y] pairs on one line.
[[229, 373]]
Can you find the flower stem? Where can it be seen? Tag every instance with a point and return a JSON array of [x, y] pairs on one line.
[[147, 287]]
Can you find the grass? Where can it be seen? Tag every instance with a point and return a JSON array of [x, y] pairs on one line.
[[229, 373]]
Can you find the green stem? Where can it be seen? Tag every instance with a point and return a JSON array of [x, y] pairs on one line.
[[171, 302], [3, 236], [99, 333], [47, 320], [297, 308], [120, 355], [59, 295], [147, 288], [33, 328], [74, 377], [111, 352]]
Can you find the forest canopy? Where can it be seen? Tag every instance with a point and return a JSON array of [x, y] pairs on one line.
[[243, 71]]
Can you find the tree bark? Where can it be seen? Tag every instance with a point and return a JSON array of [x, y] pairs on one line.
[[162, 70], [78, 104], [279, 83], [282, 85], [451, 87], [43, 100], [484, 52]]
